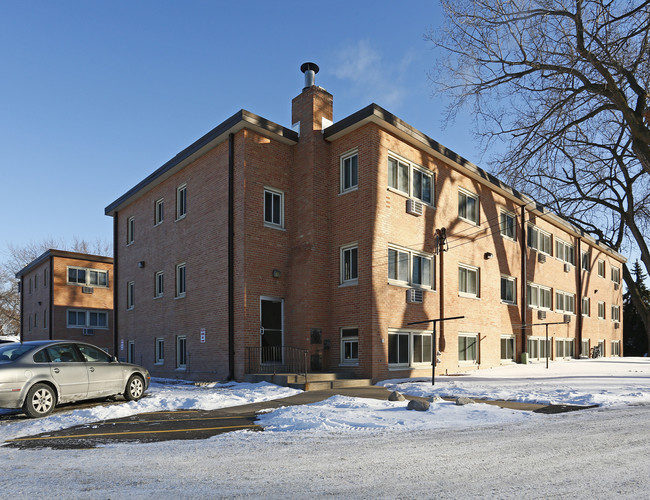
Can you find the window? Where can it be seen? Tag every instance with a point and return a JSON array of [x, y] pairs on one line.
[[538, 348], [601, 268], [539, 297], [349, 345], [160, 351], [411, 180], [130, 230], [616, 348], [398, 265], [349, 172], [585, 261], [418, 273], [180, 280], [181, 201], [616, 314], [508, 348], [616, 275], [584, 348], [586, 306], [159, 282], [508, 228], [407, 349], [601, 310], [468, 281], [35, 281], [45, 277], [87, 277], [97, 319], [421, 271], [468, 206], [130, 294], [563, 348], [181, 352], [508, 294], [130, 352], [159, 212], [565, 252], [35, 320], [539, 240], [273, 208], [81, 318], [31, 285], [565, 302], [45, 318], [349, 265], [468, 347]]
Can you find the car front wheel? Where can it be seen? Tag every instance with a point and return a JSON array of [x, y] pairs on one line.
[[40, 401], [134, 388]]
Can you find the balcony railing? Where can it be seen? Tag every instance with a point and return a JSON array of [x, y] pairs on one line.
[[276, 359]]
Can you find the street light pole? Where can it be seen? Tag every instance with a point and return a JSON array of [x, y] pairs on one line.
[[434, 349]]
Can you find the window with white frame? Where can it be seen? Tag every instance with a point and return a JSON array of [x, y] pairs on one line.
[[87, 277], [616, 314], [273, 208], [130, 230], [349, 345], [349, 172], [77, 318], [398, 265], [349, 264], [159, 284], [409, 348], [508, 351], [83, 318], [584, 348], [539, 240], [539, 296], [601, 268], [565, 252], [508, 226], [616, 348], [160, 350], [130, 295], [468, 281], [181, 352], [616, 275], [586, 306], [468, 206], [538, 348], [181, 201], [508, 290], [421, 270], [159, 212], [601, 310], [565, 302], [468, 348], [564, 348], [413, 181], [180, 280], [585, 261]]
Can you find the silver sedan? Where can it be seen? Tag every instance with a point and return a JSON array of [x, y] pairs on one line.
[[36, 376]]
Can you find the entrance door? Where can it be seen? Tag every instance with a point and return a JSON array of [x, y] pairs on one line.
[[271, 329]]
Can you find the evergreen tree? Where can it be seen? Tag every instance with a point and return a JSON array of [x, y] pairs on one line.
[[635, 340]]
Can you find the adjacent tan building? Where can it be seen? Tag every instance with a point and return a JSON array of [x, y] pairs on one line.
[[327, 240], [68, 295]]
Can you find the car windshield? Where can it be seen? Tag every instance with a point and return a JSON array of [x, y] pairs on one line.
[[11, 352]]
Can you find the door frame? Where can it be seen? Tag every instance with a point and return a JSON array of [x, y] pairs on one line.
[[269, 298]]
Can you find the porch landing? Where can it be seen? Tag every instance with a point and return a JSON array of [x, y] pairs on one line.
[[313, 382]]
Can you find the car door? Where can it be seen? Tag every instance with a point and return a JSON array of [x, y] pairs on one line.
[[68, 371], [105, 377]]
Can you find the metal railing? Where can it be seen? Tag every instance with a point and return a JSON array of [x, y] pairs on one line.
[[276, 359]]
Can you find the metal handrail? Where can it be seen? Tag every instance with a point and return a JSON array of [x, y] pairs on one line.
[[276, 359]]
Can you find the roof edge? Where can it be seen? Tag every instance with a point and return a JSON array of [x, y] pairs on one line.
[[64, 254]]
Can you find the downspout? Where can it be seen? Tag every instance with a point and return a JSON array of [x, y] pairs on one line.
[[115, 287], [51, 287], [576, 352], [524, 280], [231, 256], [22, 307]]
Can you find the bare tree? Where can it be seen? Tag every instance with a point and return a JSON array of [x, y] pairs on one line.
[[564, 84]]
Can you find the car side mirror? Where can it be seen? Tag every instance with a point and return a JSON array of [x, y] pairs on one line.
[[113, 359]]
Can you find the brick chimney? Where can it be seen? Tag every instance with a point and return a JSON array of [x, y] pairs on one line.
[[313, 108]]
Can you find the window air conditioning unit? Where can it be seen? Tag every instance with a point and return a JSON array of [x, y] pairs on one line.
[[414, 207], [87, 289], [617, 325], [541, 314], [414, 296], [541, 258], [567, 268], [567, 318], [616, 286], [88, 331]]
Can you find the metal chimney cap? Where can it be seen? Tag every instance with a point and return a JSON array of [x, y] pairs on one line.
[[309, 66]]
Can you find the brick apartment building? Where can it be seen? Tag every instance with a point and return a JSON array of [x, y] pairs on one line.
[[67, 295], [328, 237]]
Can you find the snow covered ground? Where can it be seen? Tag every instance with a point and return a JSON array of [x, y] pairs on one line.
[[359, 448]]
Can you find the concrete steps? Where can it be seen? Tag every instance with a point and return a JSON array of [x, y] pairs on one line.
[[314, 382]]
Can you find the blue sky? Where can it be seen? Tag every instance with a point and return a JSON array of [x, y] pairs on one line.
[[96, 95]]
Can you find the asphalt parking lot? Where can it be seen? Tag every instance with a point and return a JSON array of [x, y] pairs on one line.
[[200, 424]]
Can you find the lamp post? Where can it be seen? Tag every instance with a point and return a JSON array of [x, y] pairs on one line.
[[434, 350]]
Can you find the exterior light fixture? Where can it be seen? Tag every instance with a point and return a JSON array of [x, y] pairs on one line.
[[488, 255], [141, 264], [275, 273]]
